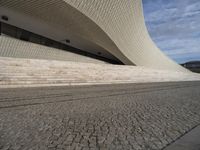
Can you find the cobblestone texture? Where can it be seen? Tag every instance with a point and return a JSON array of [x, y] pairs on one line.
[[129, 116]]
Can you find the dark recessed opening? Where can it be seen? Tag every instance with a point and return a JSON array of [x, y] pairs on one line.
[[67, 41], [25, 36], [4, 18]]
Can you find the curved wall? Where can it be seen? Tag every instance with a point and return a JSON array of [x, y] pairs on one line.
[[11, 47], [123, 21], [115, 25]]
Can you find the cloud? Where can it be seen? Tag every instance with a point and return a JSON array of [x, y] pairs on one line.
[[174, 27]]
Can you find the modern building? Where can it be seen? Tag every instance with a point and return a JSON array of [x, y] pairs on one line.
[[97, 31]]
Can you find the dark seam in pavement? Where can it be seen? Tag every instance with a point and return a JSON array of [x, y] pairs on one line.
[[58, 95], [62, 94], [70, 100], [78, 88], [150, 86]]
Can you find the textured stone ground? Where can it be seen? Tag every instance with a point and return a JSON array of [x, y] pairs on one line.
[[128, 116]]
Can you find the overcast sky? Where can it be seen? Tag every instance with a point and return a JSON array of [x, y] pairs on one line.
[[174, 26]]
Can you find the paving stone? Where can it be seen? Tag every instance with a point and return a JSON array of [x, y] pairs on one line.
[[102, 117]]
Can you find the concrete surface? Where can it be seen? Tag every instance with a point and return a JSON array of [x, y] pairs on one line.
[[126, 116], [190, 141]]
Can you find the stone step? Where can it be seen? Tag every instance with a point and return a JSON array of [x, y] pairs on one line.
[[24, 72], [77, 71]]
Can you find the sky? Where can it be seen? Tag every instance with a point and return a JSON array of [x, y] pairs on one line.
[[174, 26]]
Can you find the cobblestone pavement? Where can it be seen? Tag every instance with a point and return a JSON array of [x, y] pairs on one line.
[[126, 116]]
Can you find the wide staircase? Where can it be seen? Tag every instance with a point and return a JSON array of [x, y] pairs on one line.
[[16, 72]]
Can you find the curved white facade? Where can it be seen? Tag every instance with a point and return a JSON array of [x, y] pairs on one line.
[[112, 26]]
